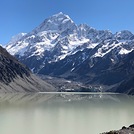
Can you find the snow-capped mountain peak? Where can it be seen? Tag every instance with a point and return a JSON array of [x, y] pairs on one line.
[[56, 23], [124, 35], [61, 15], [16, 48], [16, 38]]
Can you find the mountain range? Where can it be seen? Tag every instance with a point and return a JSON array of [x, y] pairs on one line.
[[58, 47]]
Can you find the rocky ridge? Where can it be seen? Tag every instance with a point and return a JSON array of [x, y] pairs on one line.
[[124, 130]]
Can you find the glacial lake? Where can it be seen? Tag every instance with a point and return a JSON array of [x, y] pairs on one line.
[[64, 113]]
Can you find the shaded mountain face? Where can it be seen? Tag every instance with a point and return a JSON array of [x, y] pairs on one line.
[[10, 68], [16, 77], [126, 66], [127, 86], [58, 47]]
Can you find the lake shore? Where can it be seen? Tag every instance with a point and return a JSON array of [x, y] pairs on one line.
[[123, 130]]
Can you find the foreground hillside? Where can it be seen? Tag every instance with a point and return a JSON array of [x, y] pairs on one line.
[[16, 77]]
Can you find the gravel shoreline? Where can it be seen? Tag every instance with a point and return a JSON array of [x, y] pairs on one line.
[[123, 130]]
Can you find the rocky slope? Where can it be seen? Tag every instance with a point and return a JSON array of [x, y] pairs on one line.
[[60, 48], [16, 77], [124, 130]]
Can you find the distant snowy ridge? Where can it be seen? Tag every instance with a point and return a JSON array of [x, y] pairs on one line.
[[17, 37], [60, 30]]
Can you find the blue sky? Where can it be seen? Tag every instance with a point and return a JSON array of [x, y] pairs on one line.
[[24, 15]]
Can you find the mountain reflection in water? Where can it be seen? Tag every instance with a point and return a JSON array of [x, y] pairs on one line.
[[34, 98], [64, 113]]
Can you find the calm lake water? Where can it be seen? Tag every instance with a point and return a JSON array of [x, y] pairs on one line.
[[64, 113]]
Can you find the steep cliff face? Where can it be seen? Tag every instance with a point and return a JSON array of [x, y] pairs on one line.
[[16, 77]]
